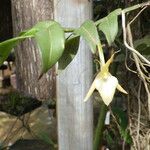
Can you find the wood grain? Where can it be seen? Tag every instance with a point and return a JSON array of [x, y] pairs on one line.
[[25, 14], [75, 118]]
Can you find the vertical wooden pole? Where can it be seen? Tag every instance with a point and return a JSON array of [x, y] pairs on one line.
[[75, 118]]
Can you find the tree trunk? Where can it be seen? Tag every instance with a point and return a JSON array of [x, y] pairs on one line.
[[75, 117], [25, 14]]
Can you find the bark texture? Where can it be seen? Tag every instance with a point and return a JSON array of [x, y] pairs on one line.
[[75, 117], [25, 14]]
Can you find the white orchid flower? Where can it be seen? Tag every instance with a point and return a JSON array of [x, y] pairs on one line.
[[106, 84]]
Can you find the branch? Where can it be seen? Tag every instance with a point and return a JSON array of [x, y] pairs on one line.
[[126, 44], [128, 10], [136, 55], [100, 126]]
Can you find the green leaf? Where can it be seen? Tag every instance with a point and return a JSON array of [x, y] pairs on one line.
[[8, 45], [38, 27], [30, 32], [50, 39], [44, 25], [71, 48], [89, 32], [143, 45], [109, 26]]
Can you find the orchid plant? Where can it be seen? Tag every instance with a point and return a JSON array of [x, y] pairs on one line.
[[55, 48]]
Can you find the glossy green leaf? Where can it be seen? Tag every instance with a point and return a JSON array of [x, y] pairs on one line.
[[89, 32], [38, 27], [109, 26], [143, 45], [30, 32], [71, 48], [8, 45], [51, 41], [44, 25]]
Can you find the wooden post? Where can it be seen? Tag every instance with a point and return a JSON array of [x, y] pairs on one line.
[[75, 117]]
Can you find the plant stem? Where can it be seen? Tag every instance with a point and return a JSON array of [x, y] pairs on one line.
[[136, 6], [101, 54], [100, 126], [128, 10], [67, 30]]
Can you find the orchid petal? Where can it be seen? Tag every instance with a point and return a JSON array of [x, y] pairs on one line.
[[91, 90], [120, 88], [105, 67], [106, 88]]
